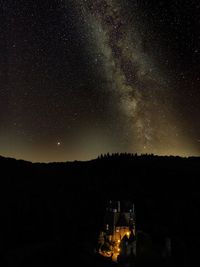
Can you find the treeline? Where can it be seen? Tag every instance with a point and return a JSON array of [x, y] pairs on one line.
[[134, 155]]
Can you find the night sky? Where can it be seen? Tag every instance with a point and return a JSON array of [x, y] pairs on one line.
[[80, 78]]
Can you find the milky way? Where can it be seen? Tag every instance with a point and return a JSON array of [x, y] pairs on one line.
[[80, 78], [139, 90]]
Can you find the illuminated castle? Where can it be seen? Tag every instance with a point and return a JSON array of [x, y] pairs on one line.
[[117, 240]]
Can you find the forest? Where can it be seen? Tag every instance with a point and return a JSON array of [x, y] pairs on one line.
[[51, 213]]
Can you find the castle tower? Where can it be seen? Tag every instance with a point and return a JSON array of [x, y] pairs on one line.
[[119, 224]]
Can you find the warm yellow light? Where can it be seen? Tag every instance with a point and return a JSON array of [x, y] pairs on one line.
[[118, 241], [118, 249], [128, 233]]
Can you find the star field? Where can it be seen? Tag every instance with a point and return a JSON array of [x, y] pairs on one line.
[[81, 78]]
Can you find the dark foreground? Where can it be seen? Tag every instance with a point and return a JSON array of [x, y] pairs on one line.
[[51, 214]]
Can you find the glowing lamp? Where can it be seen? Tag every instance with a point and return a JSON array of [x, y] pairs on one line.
[[128, 233]]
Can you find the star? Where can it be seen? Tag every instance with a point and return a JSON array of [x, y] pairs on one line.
[[58, 143]]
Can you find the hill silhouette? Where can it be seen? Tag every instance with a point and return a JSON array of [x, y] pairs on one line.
[[51, 213]]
